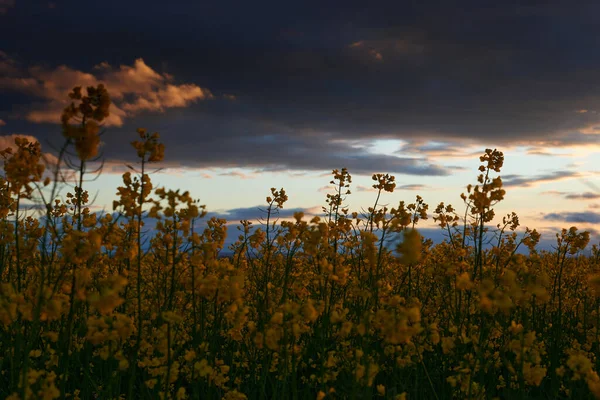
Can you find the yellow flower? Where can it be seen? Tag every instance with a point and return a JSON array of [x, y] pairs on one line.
[[172, 317], [35, 353], [202, 368], [123, 364], [234, 395], [181, 394], [594, 282], [359, 372], [448, 344], [515, 328], [277, 318], [150, 383], [463, 281], [189, 355], [410, 247], [533, 374]]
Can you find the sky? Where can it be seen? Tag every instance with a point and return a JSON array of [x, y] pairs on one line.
[[252, 95]]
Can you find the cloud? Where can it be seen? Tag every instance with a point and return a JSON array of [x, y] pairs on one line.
[[583, 196], [575, 196], [7, 64], [438, 79], [5, 5], [133, 89], [356, 162], [267, 147], [361, 188], [585, 137], [409, 47], [237, 174], [464, 85], [457, 149], [412, 187], [257, 212], [535, 180], [588, 217], [540, 152]]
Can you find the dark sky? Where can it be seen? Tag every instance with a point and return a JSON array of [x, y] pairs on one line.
[[306, 85]]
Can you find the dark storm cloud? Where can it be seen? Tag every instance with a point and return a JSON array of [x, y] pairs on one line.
[[305, 74], [279, 152]]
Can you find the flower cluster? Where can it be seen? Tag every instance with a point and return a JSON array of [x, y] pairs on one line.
[[351, 305]]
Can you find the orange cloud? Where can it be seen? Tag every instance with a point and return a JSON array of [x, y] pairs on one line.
[[133, 89]]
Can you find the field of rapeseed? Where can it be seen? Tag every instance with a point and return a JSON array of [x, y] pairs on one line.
[[346, 306]]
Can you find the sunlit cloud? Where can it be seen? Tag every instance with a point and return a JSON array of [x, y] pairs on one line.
[[133, 89], [8, 66], [585, 140]]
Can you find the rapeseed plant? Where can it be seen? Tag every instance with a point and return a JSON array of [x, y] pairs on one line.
[[349, 305]]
